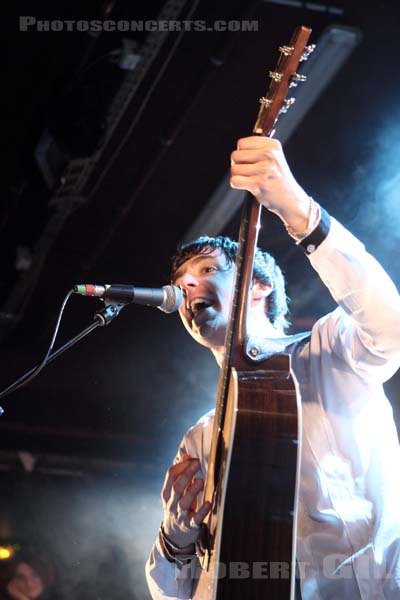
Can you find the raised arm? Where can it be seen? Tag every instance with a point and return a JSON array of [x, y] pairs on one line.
[[366, 333]]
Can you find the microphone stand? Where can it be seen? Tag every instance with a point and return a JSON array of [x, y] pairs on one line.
[[101, 318]]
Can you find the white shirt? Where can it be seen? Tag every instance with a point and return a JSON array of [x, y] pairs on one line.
[[348, 537]]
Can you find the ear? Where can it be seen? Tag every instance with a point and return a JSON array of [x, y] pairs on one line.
[[260, 290]]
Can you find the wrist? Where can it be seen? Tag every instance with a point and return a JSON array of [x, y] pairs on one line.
[[293, 209], [172, 551], [300, 229]]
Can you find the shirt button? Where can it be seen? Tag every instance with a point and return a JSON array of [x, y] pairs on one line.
[[311, 248], [254, 351]]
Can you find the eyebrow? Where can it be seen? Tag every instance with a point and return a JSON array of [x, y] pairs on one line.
[[194, 260]]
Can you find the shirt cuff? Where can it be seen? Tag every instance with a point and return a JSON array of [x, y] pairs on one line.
[[310, 243]]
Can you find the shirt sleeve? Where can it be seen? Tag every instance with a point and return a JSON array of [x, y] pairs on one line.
[[166, 580], [365, 330]]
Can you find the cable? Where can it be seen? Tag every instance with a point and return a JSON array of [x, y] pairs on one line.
[[27, 377]]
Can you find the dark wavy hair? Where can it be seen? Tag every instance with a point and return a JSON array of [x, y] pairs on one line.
[[265, 271]]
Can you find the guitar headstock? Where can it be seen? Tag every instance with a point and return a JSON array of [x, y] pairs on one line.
[[283, 78]]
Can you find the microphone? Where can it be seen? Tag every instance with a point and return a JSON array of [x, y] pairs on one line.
[[168, 298]]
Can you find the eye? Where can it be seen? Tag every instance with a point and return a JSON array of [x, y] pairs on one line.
[[209, 269]]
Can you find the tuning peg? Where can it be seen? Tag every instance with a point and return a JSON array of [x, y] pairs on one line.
[[286, 50], [287, 104], [265, 102], [275, 75], [307, 51], [296, 78]]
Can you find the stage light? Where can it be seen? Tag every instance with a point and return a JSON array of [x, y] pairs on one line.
[[7, 552]]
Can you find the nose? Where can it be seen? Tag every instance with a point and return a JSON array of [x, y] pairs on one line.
[[188, 281]]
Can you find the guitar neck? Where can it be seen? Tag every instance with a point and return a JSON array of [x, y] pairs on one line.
[[271, 107]]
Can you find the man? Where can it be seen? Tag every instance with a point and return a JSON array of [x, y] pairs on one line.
[[348, 525]]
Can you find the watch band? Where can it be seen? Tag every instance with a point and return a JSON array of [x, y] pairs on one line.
[[310, 243]]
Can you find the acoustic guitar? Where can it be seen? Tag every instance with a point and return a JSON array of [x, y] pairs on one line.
[[247, 543]]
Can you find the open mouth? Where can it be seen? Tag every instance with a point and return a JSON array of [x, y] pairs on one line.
[[199, 304]]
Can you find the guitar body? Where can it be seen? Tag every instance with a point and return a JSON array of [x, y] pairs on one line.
[[252, 526]]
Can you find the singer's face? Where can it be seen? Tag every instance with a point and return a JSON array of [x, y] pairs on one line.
[[207, 282]]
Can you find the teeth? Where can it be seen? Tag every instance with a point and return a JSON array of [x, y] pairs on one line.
[[199, 303]]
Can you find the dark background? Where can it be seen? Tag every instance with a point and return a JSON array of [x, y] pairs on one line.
[[84, 447]]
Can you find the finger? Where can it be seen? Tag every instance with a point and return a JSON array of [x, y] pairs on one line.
[[251, 156], [201, 514], [193, 507], [258, 141], [245, 183], [190, 495], [172, 473], [187, 468], [263, 169], [180, 488]]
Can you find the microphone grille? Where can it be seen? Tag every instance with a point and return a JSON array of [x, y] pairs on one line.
[[173, 299]]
